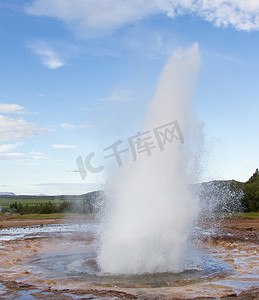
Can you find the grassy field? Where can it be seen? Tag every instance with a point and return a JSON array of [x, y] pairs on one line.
[[41, 216], [56, 216], [248, 215], [5, 202], [51, 216]]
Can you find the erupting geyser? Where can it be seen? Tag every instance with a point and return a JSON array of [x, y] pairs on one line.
[[152, 210]]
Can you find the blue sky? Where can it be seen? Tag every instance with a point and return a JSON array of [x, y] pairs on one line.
[[78, 75]]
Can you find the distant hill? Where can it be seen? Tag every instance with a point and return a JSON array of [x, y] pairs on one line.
[[92, 202], [220, 196], [233, 193], [5, 194], [251, 198], [215, 196]]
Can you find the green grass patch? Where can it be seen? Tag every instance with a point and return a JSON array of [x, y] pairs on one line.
[[51, 216], [41, 216], [5, 202], [247, 215], [250, 215]]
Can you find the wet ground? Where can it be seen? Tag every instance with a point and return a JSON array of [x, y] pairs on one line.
[[58, 262]]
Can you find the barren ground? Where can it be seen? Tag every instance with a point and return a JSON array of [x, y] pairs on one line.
[[236, 244]]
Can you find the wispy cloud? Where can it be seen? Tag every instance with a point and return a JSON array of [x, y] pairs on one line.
[[248, 160], [68, 188], [95, 17], [58, 146], [11, 109], [55, 54], [16, 129], [38, 155], [21, 156], [50, 58], [8, 147], [71, 126], [12, 155], [222, 56], [5, 153], [120, 95], [92, 17], [155, 42]]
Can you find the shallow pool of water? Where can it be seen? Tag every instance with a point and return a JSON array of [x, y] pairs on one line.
[[52, 230], [80, 262]]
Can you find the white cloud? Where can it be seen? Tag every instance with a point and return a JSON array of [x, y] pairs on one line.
[[221, 56], [70, 126], [248, 160], [8, 147], [8, 156], [20, 156], [53, 54], [97, 16], [36, 153], [38, 157], [5, 155], [120, 96], [50, 58], [16, 129], [64, 146], [11, 109]]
